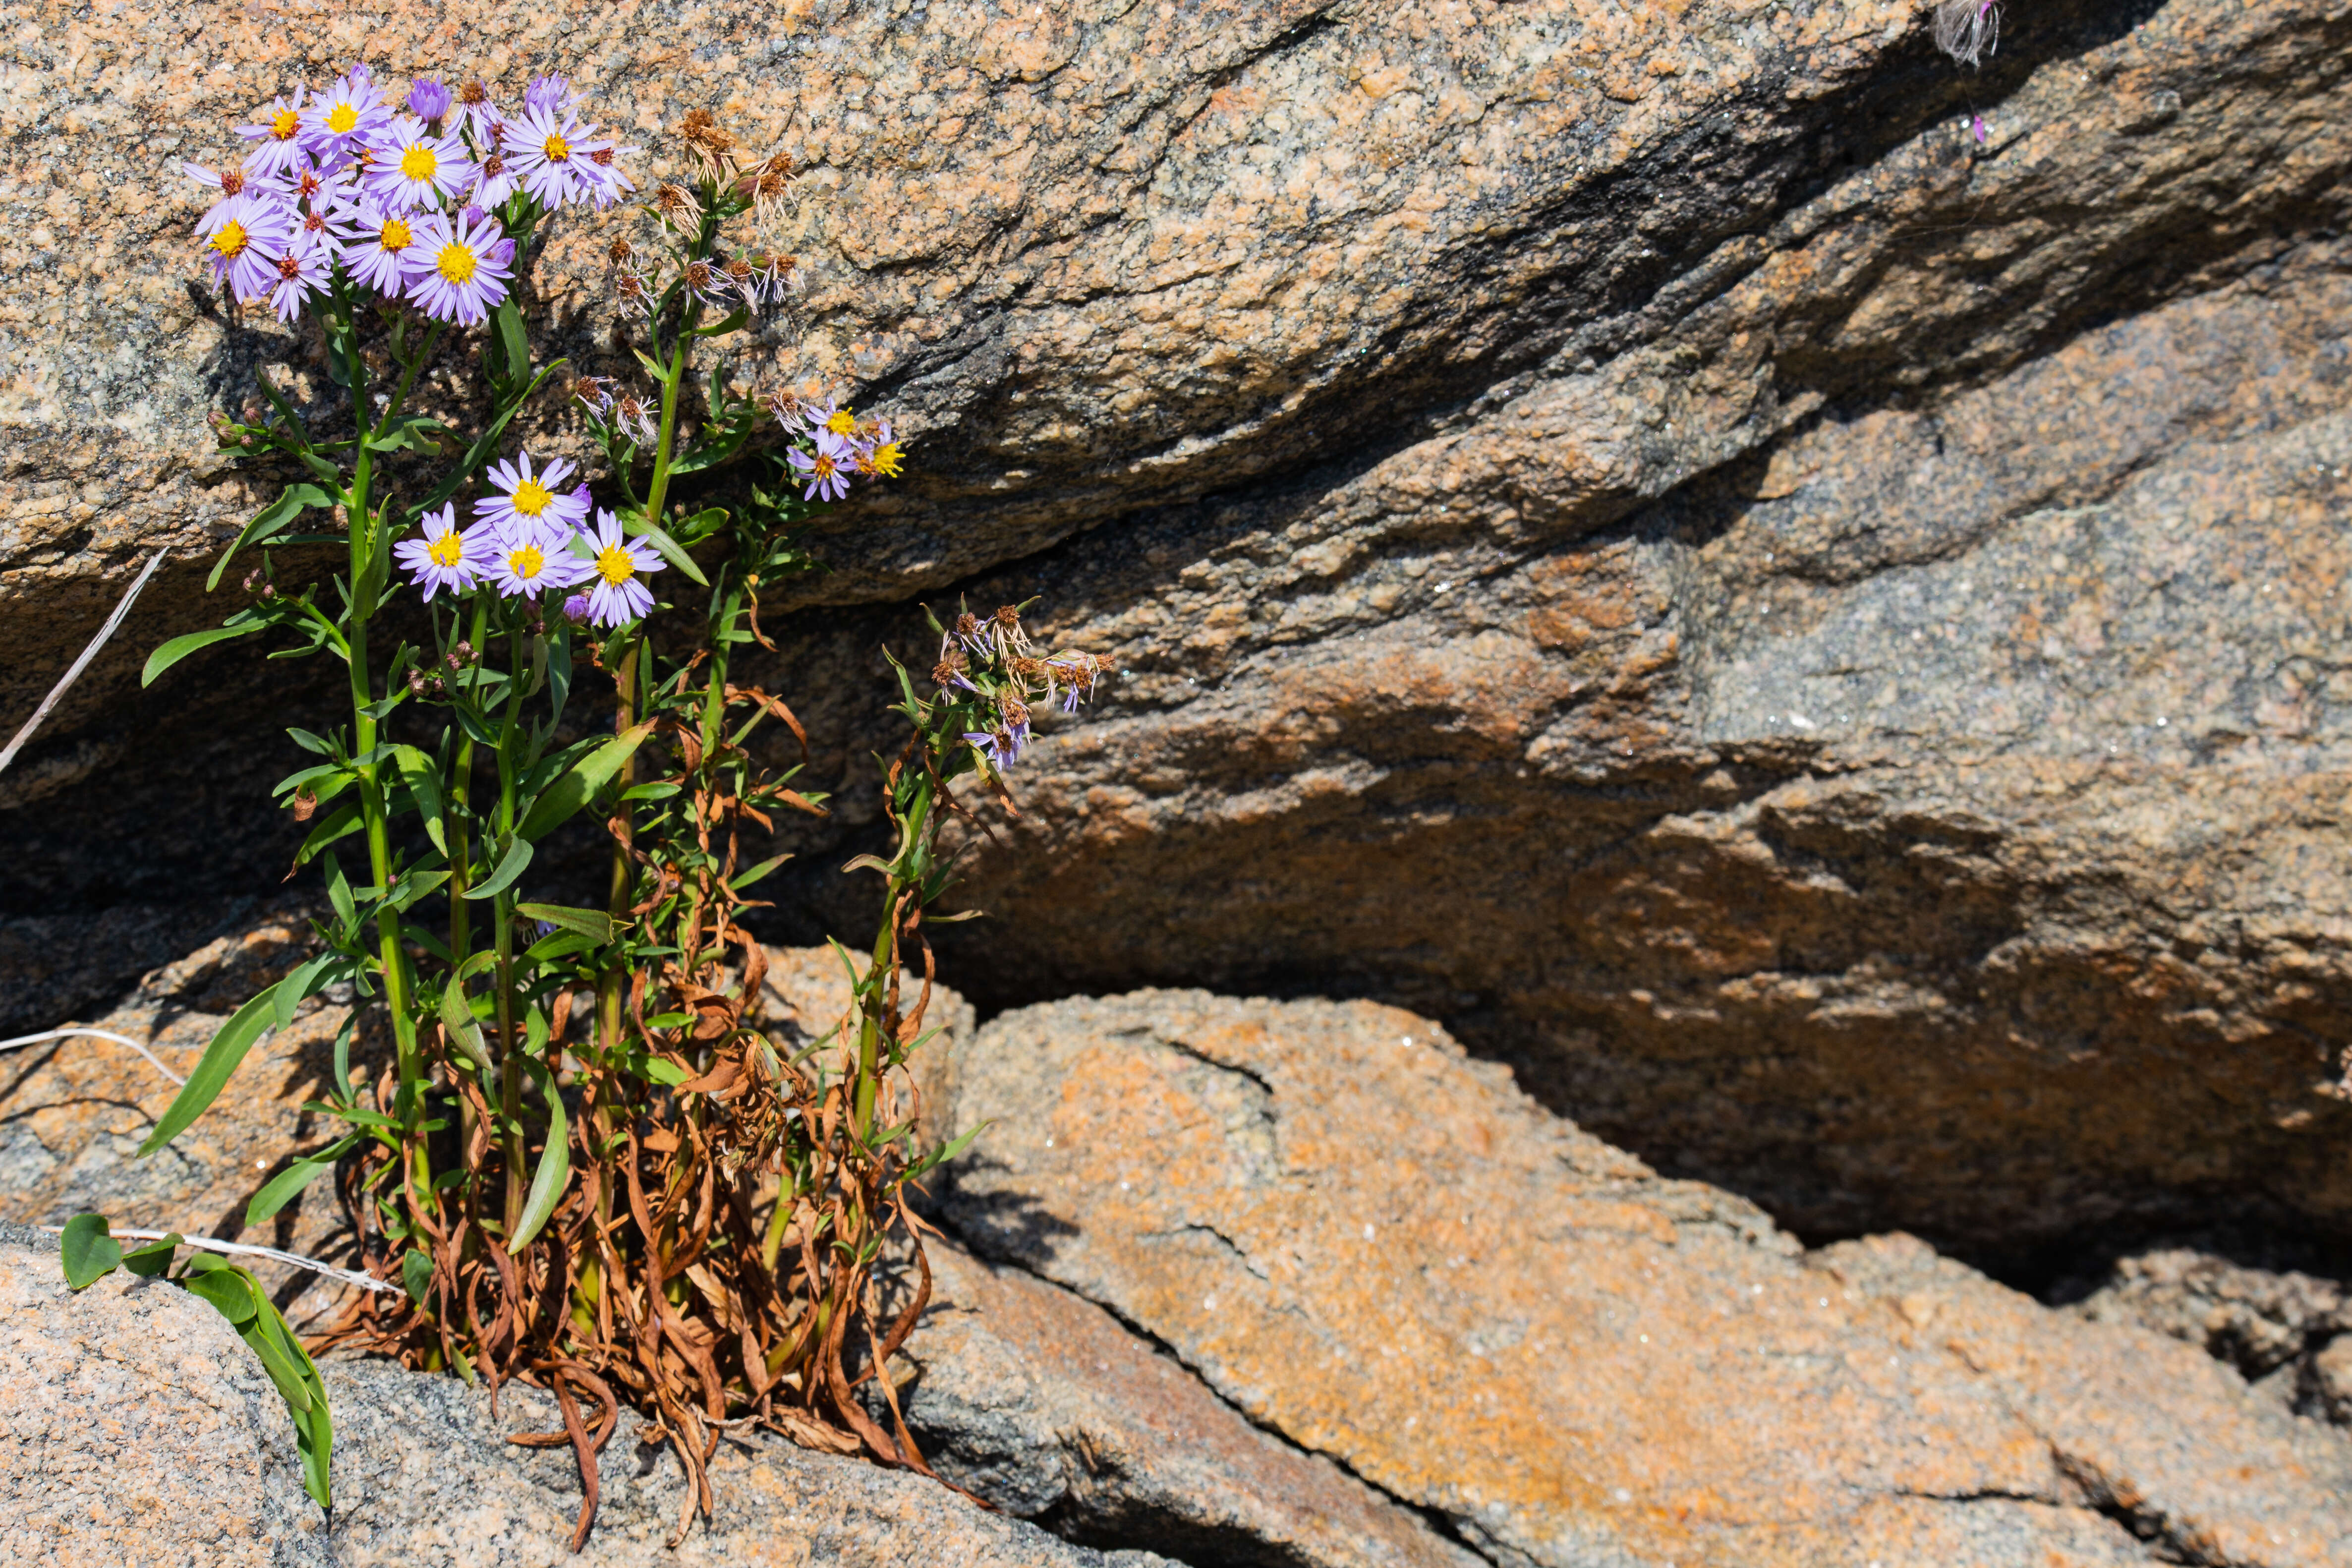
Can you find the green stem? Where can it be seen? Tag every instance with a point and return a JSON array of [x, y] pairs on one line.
[[510, 1046]]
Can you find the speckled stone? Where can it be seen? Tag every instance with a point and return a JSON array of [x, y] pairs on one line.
[[1384, 1251], [1626, 526]]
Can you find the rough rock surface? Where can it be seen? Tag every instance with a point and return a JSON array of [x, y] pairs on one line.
[[1379, 1249], [136, 1429], [1045, 1405], [2285, 1330], [1633, 528], [140, 1430]]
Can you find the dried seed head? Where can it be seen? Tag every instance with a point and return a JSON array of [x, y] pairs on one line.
[[674, 205], [1967, 30], [951, 668], [306, 803], [474, 94], [620, 250], [712, 145]]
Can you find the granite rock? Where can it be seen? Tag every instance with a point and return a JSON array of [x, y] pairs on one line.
[[140, 1430], [1382, 1251], [1048, 1407], [1786, 590]]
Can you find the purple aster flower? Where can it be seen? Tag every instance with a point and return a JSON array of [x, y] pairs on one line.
[[594, 393], [826, 468], [575, 609], [411, 166], [304, 266], [475, 114], [996, 747], [427, 99], [244, 244], [540, 147], [440, 557], [277, 135], [377, 247], [548, 95], [346, 117], [603, 178], [494, 179], [528, 499], [453, 272], [526, 559], [231, 182], [617, 592]]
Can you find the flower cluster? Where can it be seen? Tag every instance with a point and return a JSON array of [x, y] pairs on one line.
[[411, 195], [993, 659], [531, 535], [837, 443]]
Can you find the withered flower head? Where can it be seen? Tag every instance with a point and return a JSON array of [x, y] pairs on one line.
[[675, 205], [620, 250], [712, 144]]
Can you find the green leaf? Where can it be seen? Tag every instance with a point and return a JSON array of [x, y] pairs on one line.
[[465, 1031], [339, 894], [568, 793], [88, 1249], [671, 551], [220, 1059], [593, 924], [661, 1069], [416, 1274], [154, 1259], [511, 337], [654, 367], [306, 981], [733, 322], [281, 1188], [940, 1156], [214, 1278], [178, 648], [758, 871], [268, 521], [484, 445], [341, 823], [422, 774], [554, 1163], [518, 856]]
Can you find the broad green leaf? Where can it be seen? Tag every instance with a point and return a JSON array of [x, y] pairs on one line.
[[554, 1161], [281, 1188], [555, 945], [671, 551], [416, 1274], [220, 1059], [465, 1031], [568, 793], [593, 924], [153, 1258], [339, 894], [214, 1278], [178, 648], [661, 1069], [339, 823], [88, 1249], [422, 774], [509, 866], [305, 981]]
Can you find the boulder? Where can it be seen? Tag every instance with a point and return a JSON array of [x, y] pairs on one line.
[[1047, 1406], [1843, 548], [1381, 1250], [140, 1430]]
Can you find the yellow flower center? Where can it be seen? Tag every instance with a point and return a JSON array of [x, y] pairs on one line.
[[557, 149], [342, 118], [824, 467], [456, 263], [231, 239], [615, 564], [284, 124], [395, 235], [526, 563], [445, 551], [418, 164], [886, 460], [531, 497], [843, 423]]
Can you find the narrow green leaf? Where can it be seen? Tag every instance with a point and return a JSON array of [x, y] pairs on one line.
[[220, 1059], [305, 981], [422, 774], [339, 823], [511, 337], [268, 521], [89, 1251], [593, 924], [568, 793], [554, 1163], [280, 1189], [671, 551], [510, 866], [339, 894], [180, 648], [758, 871]]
